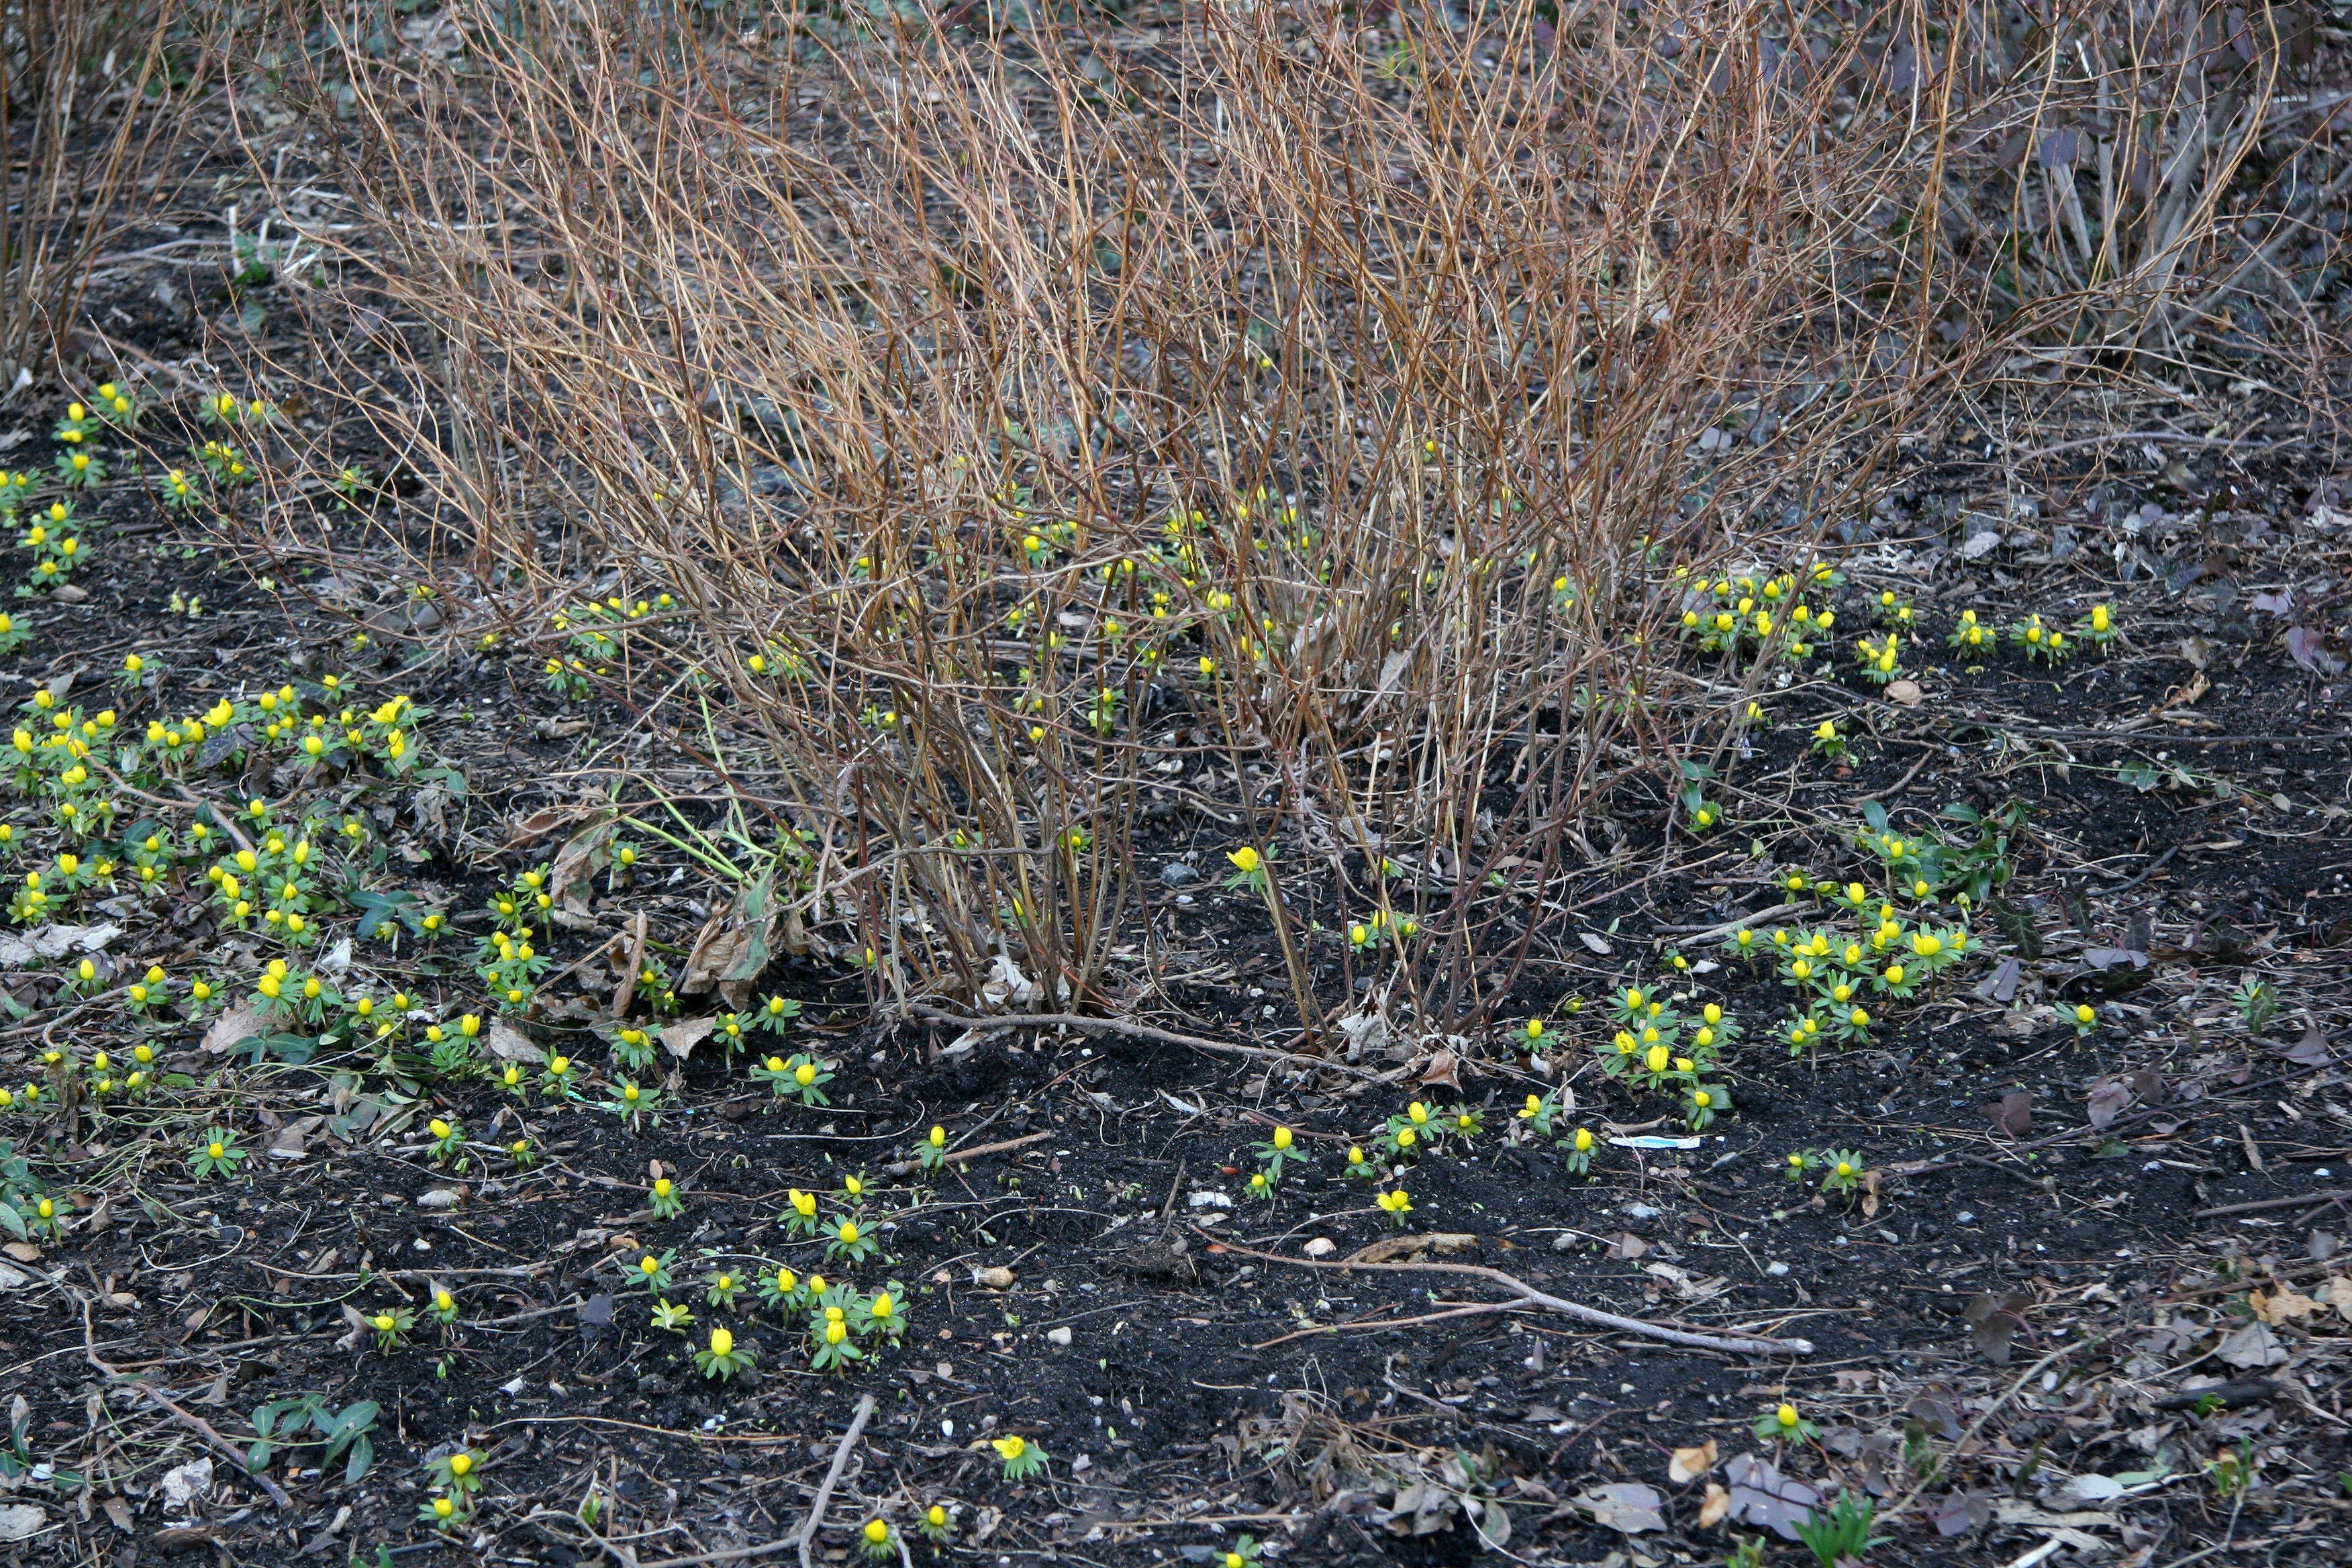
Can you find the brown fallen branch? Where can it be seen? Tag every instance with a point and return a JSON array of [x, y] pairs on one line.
[[799, 1539], [204, 1429], [958, 1156], [1134, 1031], [196, 1424], [2308, 1200], [1741, 1344], [1376, 1325]]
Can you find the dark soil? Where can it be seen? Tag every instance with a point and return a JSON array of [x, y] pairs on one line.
[[2087, 1270]]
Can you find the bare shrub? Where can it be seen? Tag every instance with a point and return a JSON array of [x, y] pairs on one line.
[[85, 105], [1033, 428]]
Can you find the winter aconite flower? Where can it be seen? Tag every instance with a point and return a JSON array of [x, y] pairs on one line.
[[1784, 1422], [723, 1358], [1022, 1458]]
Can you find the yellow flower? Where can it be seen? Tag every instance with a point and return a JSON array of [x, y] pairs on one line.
[[649, 1264], [1396, 1202], [2100, 620], [1826, 730], [721, 1342], [1584, 1139], [939, 1137], [936, 1518], [444, 1301], [1787, 1416], [1418, 1112], [1282, 1137], [439, 1128], [461, 1464], [878, 1531], [1927, 944], [848, 1233], [1011, 1447], [1245, 860], [1657, 1058]]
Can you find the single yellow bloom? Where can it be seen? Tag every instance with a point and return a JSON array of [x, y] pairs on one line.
[[1244, 859]]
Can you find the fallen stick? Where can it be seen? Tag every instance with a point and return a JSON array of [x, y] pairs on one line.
[[204, 1429], [2334, 1194], [798, 1539], [956, 1156], [1137, 1031], [1745, 1344], [833, 1475], [196, 1424]]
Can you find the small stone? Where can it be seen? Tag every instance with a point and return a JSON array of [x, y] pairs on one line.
[[1178, 874], [1060, 1336], [653, 1383], [1321, 1247], [1775, 1270]]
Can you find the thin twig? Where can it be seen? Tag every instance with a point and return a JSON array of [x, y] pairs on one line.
[[1374, 1325], [958, 1156], [833, 1475], [1920, 1484], [2336, 1194], [1742, 1345], [1139, 1031], [2166, 437], [799, 1539]]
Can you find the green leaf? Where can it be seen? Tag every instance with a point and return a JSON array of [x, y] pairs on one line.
[[11, 1221]]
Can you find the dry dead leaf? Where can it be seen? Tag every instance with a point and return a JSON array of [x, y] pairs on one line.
[[572, 877], [1627, 1245], [240, 1021], [1718, 1504], [1905, 692], [1628, 1506], [1443, 1069], [1688, 1464], [2250, 1345], [680, 1038], [2339, 1296], [509, 1044], [2286, 1305]]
